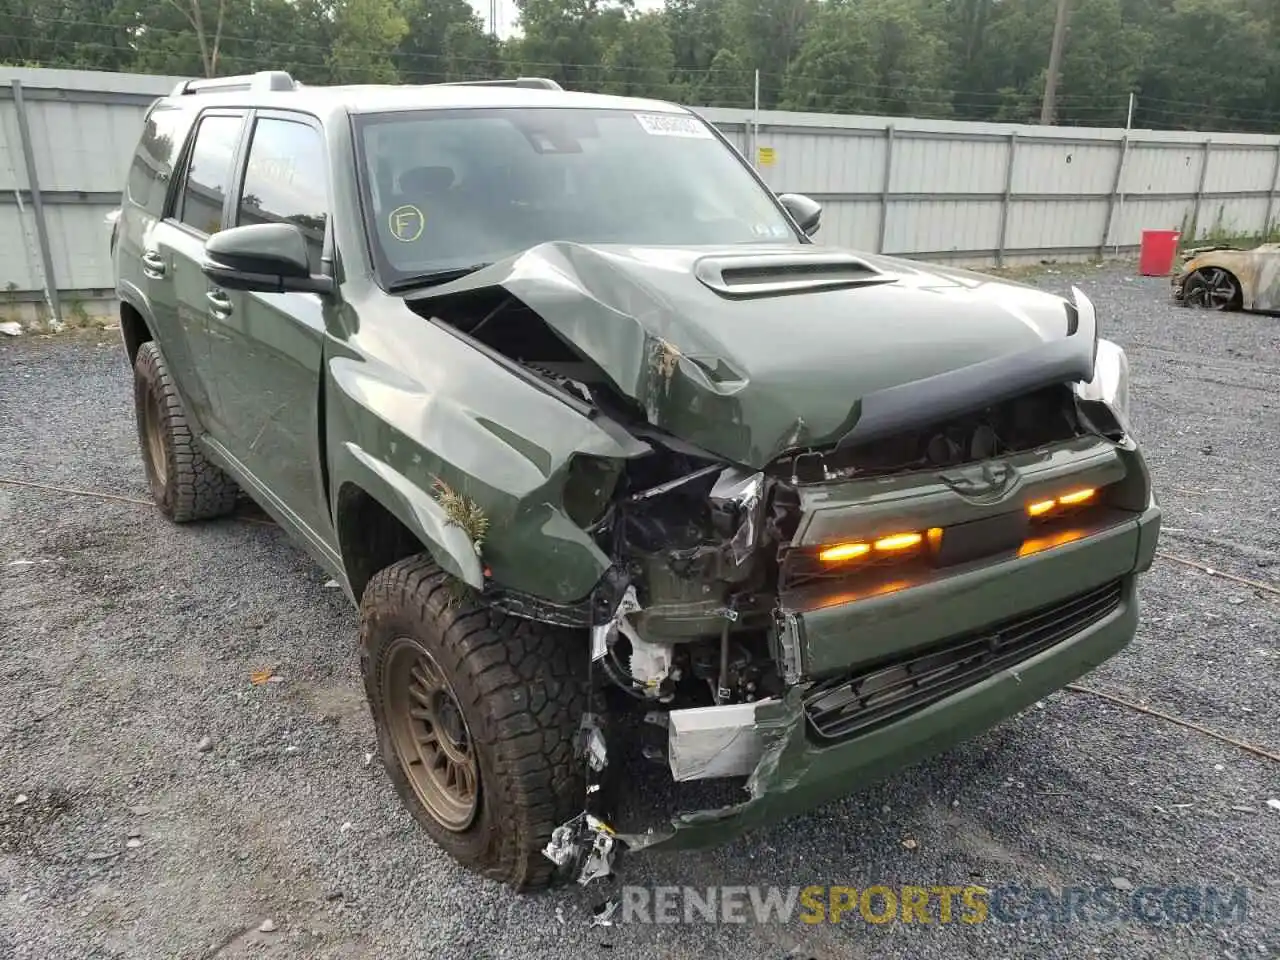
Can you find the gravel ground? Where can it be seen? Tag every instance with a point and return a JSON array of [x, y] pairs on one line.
[[126, 641]]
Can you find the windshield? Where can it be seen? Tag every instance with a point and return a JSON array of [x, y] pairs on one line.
[[455, 188]]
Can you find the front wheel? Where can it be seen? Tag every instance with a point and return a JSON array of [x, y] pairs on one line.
[[476, 714], [1213, 289]]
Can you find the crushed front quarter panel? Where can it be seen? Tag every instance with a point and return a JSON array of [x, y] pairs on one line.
[[408, 403]]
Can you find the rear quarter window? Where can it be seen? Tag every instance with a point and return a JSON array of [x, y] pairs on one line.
[[163, 133]]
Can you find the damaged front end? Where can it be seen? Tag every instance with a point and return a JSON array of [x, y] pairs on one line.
[[808, 587]]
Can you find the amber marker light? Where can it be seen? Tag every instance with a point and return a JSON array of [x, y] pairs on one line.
[[899, 541], [1041, 508], [1078, 496], [844, 551]]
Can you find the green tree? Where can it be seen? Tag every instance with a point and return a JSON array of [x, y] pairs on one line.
[[728, 83], [696, 30], [365, 36], [1226, 74], [445, 40], [639, 60], [765, 35], [875, 56], [566, 39]]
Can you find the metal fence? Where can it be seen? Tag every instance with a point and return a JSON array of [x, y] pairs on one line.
[[990, 193], [972, 193]]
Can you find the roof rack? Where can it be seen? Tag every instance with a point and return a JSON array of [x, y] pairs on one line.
[[535, 83], [264, 80]]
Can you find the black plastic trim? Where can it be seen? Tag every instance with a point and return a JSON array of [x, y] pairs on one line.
[[976, 386]]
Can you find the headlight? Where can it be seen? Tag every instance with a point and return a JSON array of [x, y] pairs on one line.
[[1110, 382]]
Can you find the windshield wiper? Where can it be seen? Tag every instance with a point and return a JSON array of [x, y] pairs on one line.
[[434, 277]]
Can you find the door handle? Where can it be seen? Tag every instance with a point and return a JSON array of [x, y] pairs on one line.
[[219, 304], [153, 265]]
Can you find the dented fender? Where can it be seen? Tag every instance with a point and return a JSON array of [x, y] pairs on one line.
[[447, 543], [408, 405]]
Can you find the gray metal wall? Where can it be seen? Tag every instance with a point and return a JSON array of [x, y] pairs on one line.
[[68, 137], [975, 193], [989, 193]]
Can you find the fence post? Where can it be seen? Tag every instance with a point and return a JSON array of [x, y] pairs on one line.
[[1204, 173], [1115, 191], [1271, 197], [884, 189], [37, 205], [1008, 196]]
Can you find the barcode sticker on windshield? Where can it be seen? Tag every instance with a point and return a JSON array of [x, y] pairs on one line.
[[672, 125]]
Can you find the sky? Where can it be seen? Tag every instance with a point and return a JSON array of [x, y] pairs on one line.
[[507, 12]]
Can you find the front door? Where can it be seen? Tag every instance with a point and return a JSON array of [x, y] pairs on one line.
[[266, 348], [181, 294]]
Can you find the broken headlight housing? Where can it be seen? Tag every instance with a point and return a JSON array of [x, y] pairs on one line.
[[1110, 383]]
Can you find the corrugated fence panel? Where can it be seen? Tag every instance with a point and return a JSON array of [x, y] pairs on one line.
[[1237, 169], [1056, 225], [19, 254], [1163, 169], [948, 165], [80, 246], [950, 190], [943, 226], [823, 164], [1136, 213], [83, 146], [1232, 215], [850, 223], [1068, 168]]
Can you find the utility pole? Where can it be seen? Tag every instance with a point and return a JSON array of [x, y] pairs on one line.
[[1049, 105]]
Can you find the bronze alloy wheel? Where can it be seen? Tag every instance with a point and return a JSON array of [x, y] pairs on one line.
[[430, 735], [153, 431], [490, 785]]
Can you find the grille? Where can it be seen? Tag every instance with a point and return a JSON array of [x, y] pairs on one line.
[[873, 698]]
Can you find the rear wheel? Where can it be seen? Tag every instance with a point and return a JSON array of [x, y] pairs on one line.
[[476, 714], [184, 483], [1212, 288]]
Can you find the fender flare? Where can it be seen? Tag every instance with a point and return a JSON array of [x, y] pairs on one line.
[[414, 507]]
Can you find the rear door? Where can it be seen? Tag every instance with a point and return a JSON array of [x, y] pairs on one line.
[[176, 245], [265, 348]]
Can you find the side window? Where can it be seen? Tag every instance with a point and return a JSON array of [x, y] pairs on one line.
[[209, 173], [286, 181], [162, 135]]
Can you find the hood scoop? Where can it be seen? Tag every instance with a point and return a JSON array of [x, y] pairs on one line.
[[740, 276]]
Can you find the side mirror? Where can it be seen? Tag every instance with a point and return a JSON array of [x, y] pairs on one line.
[[267, 257], [805, 212]]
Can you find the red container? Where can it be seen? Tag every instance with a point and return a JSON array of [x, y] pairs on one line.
[[1159, 248]]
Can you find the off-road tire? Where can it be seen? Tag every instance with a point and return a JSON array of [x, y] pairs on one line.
[[188, 486], [521, 687]]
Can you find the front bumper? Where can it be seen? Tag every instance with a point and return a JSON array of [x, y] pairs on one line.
[[797, 771]]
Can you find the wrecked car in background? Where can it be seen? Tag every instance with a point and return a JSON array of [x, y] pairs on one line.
[[1224, 278], [613, 458]]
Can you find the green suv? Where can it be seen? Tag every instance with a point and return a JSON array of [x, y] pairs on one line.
[[627, 476]]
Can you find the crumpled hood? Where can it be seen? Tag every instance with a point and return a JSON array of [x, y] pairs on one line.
[[747, 375]]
